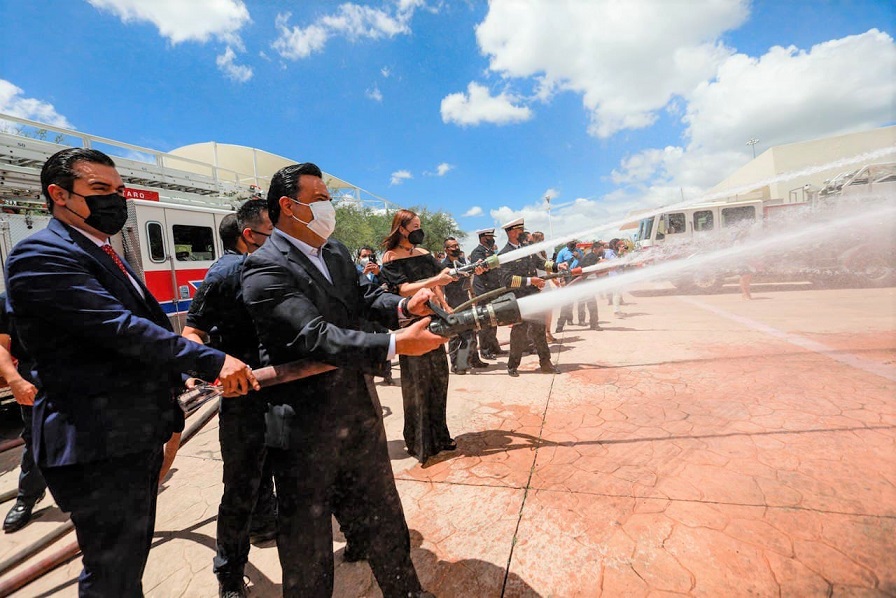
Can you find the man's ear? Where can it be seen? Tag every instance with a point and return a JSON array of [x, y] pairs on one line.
[[57, 194]]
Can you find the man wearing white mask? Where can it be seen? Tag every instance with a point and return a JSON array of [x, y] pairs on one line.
[[304, 294]]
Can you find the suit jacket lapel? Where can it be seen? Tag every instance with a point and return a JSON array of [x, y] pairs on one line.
[[295, 255]]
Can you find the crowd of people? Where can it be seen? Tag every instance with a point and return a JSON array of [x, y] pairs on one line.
[[100, 366]]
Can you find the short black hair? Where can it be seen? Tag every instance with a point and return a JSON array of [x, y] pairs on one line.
[[368, 248], [230, 230], [59, 168], [285, 183], [251, 214]]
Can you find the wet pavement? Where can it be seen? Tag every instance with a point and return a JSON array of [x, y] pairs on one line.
[[700, 445]]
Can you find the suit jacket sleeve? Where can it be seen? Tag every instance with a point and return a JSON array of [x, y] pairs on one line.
[[52, 283], [298, 319]]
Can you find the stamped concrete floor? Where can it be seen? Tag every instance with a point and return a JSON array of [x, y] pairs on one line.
[[701, 446]]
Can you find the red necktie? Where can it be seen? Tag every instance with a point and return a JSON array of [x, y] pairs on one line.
[[111, 253]]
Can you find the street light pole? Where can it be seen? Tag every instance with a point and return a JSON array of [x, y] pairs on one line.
[[752, 143], [547, 199]]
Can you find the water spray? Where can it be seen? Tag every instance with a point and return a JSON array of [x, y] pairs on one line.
[[549, 244], [533, 306]]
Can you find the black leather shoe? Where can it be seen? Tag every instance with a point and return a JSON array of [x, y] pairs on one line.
[[487, 355], [549, 368], [262, 535], [232, 589], [450, 445], [513, 373], [478, 364], [558, 329], [500, 352], [454, 370], [20, 514], [353, 555], [596, 327]]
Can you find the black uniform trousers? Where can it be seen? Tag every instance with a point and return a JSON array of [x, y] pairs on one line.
[[343, 469], [248, 501], [488, 340], [519, 341], [113, 506]]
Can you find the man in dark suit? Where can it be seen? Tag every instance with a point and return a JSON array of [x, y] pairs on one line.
[[307, 301], [483, 283], [108, 363], [521, 277]]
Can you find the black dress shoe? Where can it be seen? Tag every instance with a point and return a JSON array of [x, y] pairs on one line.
[[478, 364], [558, 329], [513, 373], [20, 514], [596, 327], [232, 589], [487, 355], [353, 555], [449, 445], [500, 352], [454, 370], [549, 368]]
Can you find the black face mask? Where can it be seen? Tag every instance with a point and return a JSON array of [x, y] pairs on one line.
[[415, 237], [108, 213], [454, 253]]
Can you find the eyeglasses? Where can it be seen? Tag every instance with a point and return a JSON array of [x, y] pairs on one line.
[[258, 232]]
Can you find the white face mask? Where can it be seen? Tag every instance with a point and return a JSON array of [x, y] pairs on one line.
[[364, 261], [323, 218]]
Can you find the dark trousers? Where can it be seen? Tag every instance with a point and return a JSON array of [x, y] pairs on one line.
[[248, 502], [519, 341], [31, 481], [488, 340], [461, 348], [113, 506], [343, 467], [591, 304]]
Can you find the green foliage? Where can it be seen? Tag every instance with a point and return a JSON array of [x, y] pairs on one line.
[[357, 226]]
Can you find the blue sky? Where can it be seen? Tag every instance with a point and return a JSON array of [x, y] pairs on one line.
[[480, 109]]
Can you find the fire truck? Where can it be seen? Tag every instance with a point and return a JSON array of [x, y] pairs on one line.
[[847, 257], [175, 205]]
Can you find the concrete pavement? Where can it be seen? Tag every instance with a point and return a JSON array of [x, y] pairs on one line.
[[700, 445]]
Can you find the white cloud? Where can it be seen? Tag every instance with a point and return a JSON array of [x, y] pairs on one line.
[[374, 93], [236, 72], [478, 106], [627, 59], [385, 72], [180, 21], [838, 86], [474, 211], [785, 96], [400, 176], [13, 103], [443, 168], [351, 21]]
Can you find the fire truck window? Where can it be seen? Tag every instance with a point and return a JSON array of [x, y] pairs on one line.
[[703, 220], [193, 243], [676, 224], [156, 242], [734, 216]]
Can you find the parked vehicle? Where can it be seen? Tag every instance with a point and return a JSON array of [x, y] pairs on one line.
[[846, 257]]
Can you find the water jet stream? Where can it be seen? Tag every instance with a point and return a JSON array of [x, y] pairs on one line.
[[759, 247]]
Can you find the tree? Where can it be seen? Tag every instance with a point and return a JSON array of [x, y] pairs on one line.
[[359, 225]]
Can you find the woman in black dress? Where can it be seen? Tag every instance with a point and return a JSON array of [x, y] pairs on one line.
[[406, 269]]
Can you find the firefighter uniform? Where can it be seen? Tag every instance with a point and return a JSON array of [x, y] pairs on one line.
[[517, 276]]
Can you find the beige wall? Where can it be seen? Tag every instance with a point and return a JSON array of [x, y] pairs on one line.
[[792, 158]]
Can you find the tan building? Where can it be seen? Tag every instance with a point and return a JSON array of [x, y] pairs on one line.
[[769, 175]]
